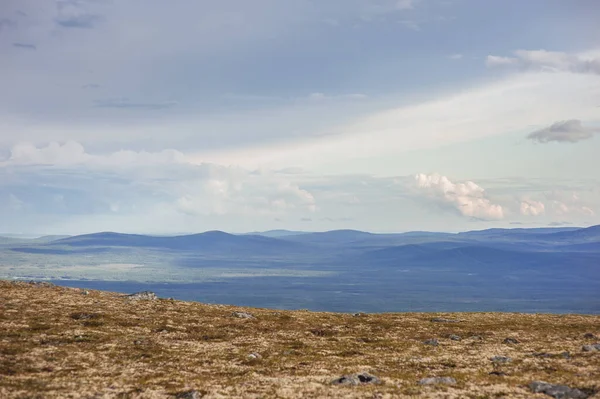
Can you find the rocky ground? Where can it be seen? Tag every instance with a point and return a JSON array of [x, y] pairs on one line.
[[70, 343]]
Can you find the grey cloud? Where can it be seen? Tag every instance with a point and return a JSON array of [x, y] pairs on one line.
[[125, 103], [6, 23], [73, 14], [570, 131], [552, 61], [26, 46], [559, 224]]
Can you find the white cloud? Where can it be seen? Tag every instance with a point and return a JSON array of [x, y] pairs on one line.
[[73, 153], [552, 61], [570, 131], [532, 208], [467, 198]]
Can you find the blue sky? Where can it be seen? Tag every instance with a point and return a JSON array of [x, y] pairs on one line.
[[382, 115]]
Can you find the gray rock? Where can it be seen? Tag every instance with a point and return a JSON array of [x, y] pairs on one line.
[[455, 337], [432, 342], [557, 391], [142, 296], [591, 348], [437, 380], [589, 336], [254, 356], [443, 320], [243, 315], [193, 394], [86, 292], [501, 359], [356, 379], [511, 341]]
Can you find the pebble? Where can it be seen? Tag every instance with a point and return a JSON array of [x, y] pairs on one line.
[[501, 359], [591, 348], [193, 394], [455, 337], [142, 296], [511, 341], [356, 379], [243, 315], [432, 342]]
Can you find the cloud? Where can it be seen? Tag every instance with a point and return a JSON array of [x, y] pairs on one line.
[[6, 23], [559, 224], [317, 96], [25, 46], [569, 131], [410, 24], [551, 61], [532, 208], [73, 153], [126, 104], [467, 198], [455, 56], [73, 14]]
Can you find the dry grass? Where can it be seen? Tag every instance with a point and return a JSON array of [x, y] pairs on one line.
[[59, 343]]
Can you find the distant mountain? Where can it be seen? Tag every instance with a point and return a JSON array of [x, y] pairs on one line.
[[210, 242], [276, 233]]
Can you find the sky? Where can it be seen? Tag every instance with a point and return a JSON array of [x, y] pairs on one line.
[[168, 117]]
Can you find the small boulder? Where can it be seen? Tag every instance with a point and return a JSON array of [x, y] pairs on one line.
[[557, 391], [501, 359], [437, 380], [254, 356], [591, 348], [193, 394], [589, 336], [432, 342], [242, 315], [142, 296], [510, 341], [455, 337], [356, 379]]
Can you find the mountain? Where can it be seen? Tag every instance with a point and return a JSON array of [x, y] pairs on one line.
[[277, 233], [210, 242]]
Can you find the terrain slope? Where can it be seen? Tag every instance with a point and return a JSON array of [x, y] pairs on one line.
[[60, 342]]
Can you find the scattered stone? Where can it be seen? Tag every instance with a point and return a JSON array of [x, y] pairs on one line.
[[455, 337], [356, 379], [254, 356], [432, 342], [591, 348], [476, 337], [142, 296], [589, 336], [243, 315], [511, 341], [86, 292], [565, 355], [83, 316], [437, 380], [501, 359], [359, 314], [443, 320], [557, 391], [498, 373], [193, 394], [137, 342]]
